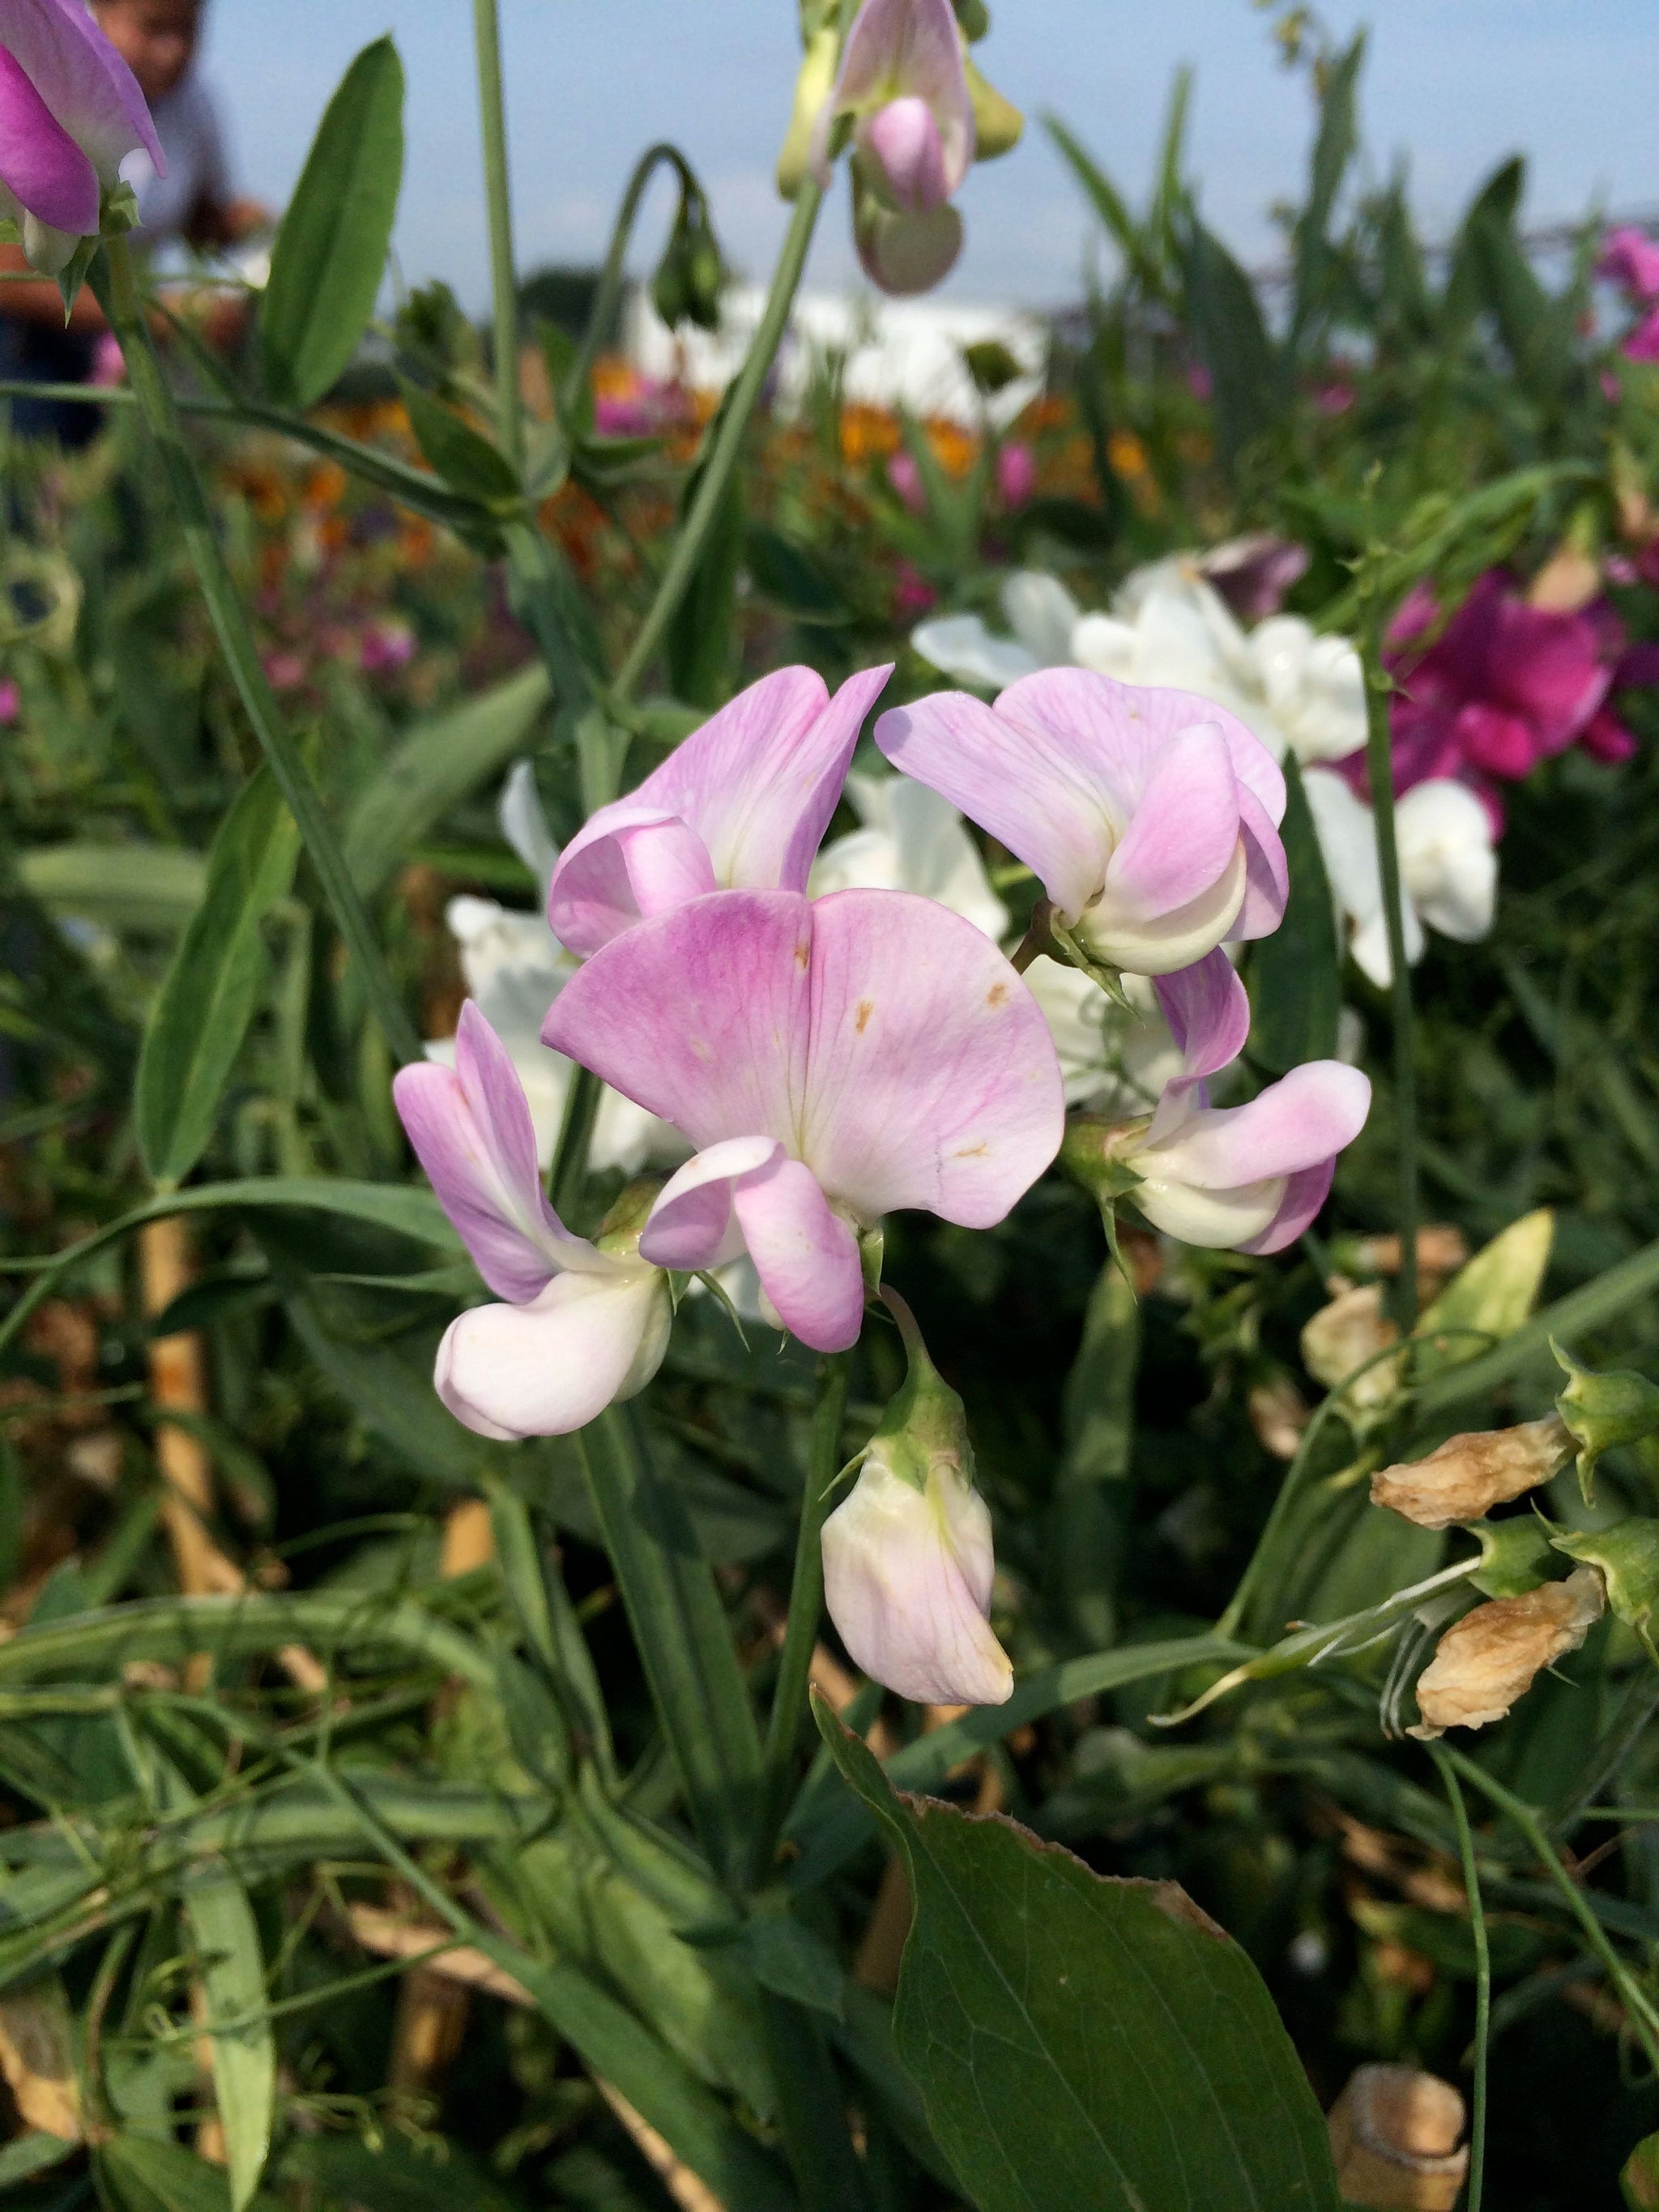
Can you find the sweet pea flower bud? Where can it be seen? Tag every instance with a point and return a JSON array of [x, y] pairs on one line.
[[1349, 1334], [1469, 1475], [908, 1565], [1487, 1660], [1601, 1410]]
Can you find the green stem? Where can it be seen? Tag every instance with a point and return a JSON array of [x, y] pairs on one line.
[[731, 423], [611, 279], [1602, 1300], [1379, 761], [581, 1114], [1643, 2016], [241, 654], [487, 43], [805, 1604], [1482, 1975]]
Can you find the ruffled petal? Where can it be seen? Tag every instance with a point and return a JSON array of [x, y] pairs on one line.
[[805, 1255], [1305, 1192], [40, 164], [627, 862], [692, 1226], [1183, 835], [546, 1369], [83, 80], [1306, 1117], [900, 48]]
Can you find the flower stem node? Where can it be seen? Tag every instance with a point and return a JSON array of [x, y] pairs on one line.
[[908, 1562], [1490, 1657], [1468, 1475], [1603, 1410]]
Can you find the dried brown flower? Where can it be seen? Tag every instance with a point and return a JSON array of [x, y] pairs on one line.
[[1488, 1659], [1469, 1475]]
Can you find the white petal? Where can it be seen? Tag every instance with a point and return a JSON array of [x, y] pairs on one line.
[[1042, 614], [549, 1368], [524, 823], [963, 647]]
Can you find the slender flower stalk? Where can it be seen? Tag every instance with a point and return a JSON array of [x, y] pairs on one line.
[[729, 425], [1482, 1974], [241, 654], [806, 1610], [1379, 762], [504, 283]]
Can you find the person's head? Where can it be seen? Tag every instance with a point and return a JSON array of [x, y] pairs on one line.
[[156, 38]]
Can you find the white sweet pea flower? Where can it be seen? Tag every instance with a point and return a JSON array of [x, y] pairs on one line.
[[1167, 627], [911, 841], [514, 967], [1111, 1062], [1448, 867]]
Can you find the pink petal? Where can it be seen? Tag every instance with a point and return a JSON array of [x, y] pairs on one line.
[[932, 1080], [806, 1255], [83, 80], [700, 1016], [1208, 1011], [1300, 1121], [627, 862], [1267, 872], [1502, 743], [472, 1131], [692, 1226], [1037, 791], [41, 164], [546, 1369], [910, 47], [903, 140], [1305, 1192], [1183, 833]]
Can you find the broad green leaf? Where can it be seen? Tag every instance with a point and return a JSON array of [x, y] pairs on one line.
[[1081, 2041], [438, 763], [1296, 982], [148, 888], [1233, 342], [1491, 1297], [25, 2155], [329, 254], [142, 2174], [233, 1974], [209, 994]]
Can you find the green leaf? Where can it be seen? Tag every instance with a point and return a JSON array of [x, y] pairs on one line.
[[1334, 149], [25, 2155], [233, 1974], [793, 577], [699, 642], [329, 254], [1639, 2179], [144, 2173], [1490, 1297], [1295, 981], [1089, 1516], [463, 457], [152, 890], [439, 762], [1083, 2041], [396, 2176], [209, 994], [1233, 342], [1108, 203]]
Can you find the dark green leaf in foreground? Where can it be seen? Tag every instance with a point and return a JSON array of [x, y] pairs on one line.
[[203, 1010], [1079, 2041], [330, 255], [1296, 982]]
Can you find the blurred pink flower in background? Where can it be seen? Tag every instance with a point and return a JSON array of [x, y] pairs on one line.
[[1642, 343], [12, 702], [386, 646], [912, 594], [109, 363], [1630, 258], [1017, 473], [905, 477]]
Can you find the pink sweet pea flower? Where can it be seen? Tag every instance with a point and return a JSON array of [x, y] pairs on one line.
[[1150, 817], [1643, 343], [903, 81], [1630, 258], [583, 1326], [1239, 1178], [70, 113], [742, 804], [830, 1061]]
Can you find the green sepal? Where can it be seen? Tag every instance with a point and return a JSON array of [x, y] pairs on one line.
[[998, 123], [1627, 1554], [1602, 1410], [1515, 1556]]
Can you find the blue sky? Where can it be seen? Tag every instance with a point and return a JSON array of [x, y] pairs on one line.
[[1455, 85]]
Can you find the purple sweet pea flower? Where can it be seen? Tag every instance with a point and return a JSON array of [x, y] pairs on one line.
[[743, 803], [831, 1062], [1150, 817], [1242, 1178], [1630, 258], [903, 82], [70, 113], [583, 1326]]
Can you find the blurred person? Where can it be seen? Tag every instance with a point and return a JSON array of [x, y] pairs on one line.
[[193, 203]]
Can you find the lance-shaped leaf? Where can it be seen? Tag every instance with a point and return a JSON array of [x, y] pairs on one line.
[[330, 255], [209, 994], [244, 2049], [1295, 981], [1082, 2041]]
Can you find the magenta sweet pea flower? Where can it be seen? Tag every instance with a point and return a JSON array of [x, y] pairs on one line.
[[584, 1325], [903, 82], [743, 803], [70, 113], [1630, 258], [1504, 686], [831, 1062], [1243, 1178], [1150, 817]]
